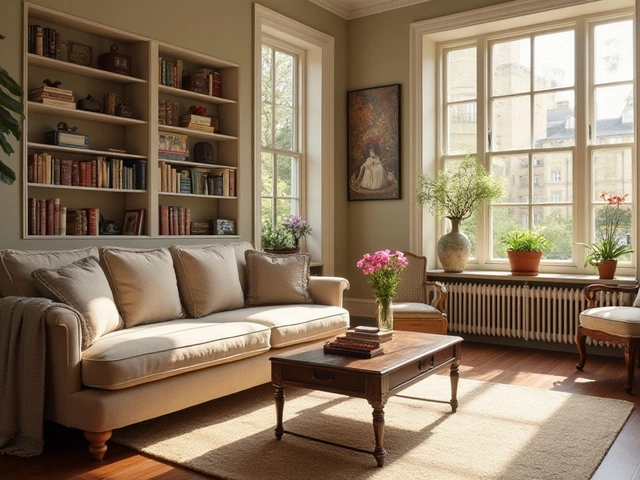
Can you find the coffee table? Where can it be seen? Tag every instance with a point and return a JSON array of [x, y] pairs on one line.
[[408, 358]]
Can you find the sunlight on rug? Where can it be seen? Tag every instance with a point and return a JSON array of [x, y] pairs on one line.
[[498, 432]]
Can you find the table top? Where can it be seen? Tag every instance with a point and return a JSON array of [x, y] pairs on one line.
[[404, 348]]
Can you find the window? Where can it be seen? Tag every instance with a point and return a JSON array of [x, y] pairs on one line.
[[280, 152], [536, 136]]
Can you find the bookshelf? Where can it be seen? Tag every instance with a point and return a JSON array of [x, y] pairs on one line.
[[131, 136]]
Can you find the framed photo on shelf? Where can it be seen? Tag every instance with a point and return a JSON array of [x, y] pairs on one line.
[[80, 53], [373, 143], [132, 224]]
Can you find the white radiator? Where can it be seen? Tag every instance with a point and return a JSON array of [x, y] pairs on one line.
[[532, 313]]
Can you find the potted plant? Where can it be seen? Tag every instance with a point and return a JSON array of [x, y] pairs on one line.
[[276, 238], [456, 194], [524, 249], [8, 124], [611, 238]]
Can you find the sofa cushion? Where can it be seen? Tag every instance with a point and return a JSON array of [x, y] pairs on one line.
[[274, 279], [292, 324], [146, 353], [144, 284], [208, 279], [84, 286], [623, 321], [16, 267]]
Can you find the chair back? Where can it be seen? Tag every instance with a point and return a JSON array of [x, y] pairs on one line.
[[412, 278]]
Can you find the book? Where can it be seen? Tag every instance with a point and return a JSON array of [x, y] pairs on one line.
[[343, 340], [192, 118], [328, 348], [62, 221], [200, 128], [380, 336], [93, 221], [164, 220], [36, 97], [57, 103]]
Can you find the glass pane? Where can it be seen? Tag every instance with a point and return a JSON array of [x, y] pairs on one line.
[[612, 172], [554, 119], [287, 175], [504, 220], [557, 223], [461, 128], [266, 169], [267, 60], [284, 128], [469, 226], [553, 64], [515, 170], [461, 70], [511, 67], [554, 172], [614, 114], [266, 134], [266, 215], [613, 56], [511, 124], [283, 209], [285, 75]]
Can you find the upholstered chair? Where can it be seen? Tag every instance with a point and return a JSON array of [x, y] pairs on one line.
[[419, 304], [618, 324]]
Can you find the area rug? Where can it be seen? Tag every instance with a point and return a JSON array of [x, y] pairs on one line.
[[499, 432]]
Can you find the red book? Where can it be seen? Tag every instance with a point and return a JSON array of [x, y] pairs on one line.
[[49, 216], [164, 220], [56, 216], [181, 221], [31, 167], [187, 221], [65, 172], [75, 173], [93, 219], [174, 221]]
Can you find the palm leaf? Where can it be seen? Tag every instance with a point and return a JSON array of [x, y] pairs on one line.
[[7, 175], [10, 104], [8, 124], [9, 83], [6, 146]]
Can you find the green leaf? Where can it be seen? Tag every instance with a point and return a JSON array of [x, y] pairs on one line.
[[10, 84], [7, 175], [10, 104], [6, 146], [8, 124]]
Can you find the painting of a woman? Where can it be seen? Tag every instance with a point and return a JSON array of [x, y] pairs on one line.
[[373, 175]]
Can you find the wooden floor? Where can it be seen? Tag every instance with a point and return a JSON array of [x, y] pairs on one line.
[[66, 457]]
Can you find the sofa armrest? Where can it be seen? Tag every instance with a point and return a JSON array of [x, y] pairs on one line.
[[327, 290], [591, 291]]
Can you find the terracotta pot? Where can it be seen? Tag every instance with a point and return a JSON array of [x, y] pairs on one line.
[[607, 270], [525, 264], [282, 251]]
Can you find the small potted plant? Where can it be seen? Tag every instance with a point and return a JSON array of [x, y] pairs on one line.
[[524, 249], [276, 239]]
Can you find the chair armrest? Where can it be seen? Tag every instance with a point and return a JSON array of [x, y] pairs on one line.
[[327, 290], [591, 291], [436, 294]]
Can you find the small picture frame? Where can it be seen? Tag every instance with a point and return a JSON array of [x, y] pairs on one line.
[[222, 226], [132, 224], [80, 54]]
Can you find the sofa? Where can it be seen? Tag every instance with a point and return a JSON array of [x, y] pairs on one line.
[[133, 334]]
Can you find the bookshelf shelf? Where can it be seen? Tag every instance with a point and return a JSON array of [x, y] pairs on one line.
[[134, 140]]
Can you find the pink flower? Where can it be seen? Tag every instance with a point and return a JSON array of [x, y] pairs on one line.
[[383, 268]]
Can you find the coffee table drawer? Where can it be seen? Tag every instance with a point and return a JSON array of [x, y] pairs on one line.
[[317, 378], [421, 367]]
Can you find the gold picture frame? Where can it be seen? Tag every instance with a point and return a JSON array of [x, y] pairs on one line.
[[80, 54]]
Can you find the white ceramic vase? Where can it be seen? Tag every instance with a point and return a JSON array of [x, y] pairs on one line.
[[454, 248]]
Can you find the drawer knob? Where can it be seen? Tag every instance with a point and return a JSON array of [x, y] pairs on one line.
[[426, 363], [324, 377]]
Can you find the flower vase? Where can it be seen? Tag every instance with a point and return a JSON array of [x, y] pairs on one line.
[[384, 316], [454, 248], [607, 270]]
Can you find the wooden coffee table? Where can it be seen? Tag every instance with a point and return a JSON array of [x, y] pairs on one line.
[[407, 358]]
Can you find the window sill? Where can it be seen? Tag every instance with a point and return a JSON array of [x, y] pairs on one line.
[[491, 276]]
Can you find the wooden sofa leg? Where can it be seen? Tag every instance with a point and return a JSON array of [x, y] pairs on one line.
[[98, 441], [630, 355], [581, 342]]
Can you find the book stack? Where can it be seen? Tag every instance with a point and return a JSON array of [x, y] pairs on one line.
[[364, 342], [58, 97], [196, 122], [173, 146]]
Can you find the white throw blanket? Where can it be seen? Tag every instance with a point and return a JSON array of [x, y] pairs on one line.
[[22, 371]]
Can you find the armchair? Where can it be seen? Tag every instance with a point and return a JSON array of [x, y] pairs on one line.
[[616, 324], [419, 304]]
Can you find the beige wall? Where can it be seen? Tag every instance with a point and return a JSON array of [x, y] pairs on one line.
[[370, 51]]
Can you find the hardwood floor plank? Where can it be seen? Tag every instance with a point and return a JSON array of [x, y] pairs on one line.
[[66, 456]]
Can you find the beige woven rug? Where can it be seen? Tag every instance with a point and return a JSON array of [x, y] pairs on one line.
[[498, 432]]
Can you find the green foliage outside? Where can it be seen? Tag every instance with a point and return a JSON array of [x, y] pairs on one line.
[[8, 124]]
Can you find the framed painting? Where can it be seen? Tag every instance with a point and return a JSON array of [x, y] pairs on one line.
[[373, 143], [132, 224]]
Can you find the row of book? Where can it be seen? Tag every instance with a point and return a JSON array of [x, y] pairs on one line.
[[175, 220], [168, 113], [100, 172], [170, 72], [50, 217], [44, 41], [219, 182], [365, 342]]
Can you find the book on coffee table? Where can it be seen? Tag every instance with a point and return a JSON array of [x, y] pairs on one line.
[[330, 348]]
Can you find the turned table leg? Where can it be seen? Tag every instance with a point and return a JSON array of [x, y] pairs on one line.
[[98, 440], [279, 397], [378, 431], [454, 375]]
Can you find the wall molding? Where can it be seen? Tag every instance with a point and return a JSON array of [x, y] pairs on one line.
[[357, 11]]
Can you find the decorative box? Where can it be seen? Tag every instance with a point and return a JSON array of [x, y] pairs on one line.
[[115, 61], [89, 104], [66, 136], [203, 152], [195, 83], [222, 227]]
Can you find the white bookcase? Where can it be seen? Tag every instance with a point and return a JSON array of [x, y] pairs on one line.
[[132, 139]]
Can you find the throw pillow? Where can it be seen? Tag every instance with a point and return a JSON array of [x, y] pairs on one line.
[[208, 279], [84, 286], [144, 284], [277, 279], [16, 267]]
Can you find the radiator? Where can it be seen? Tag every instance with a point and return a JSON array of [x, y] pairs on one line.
[[547, 314]]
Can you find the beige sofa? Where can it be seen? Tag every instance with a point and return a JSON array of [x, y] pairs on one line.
[[144, 333]]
